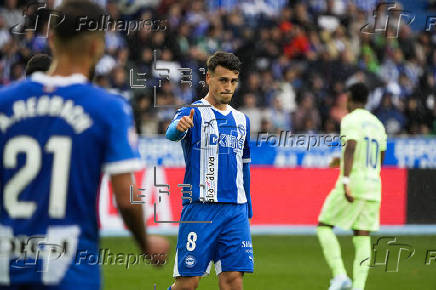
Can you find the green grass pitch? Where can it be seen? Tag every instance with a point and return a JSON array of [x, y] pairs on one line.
[[283, 262]]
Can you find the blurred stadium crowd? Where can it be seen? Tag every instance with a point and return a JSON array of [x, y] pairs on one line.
[[298, 59]]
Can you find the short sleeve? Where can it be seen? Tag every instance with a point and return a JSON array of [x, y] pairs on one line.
[[122, 154], [185, 111], [246, 156], [384, 141], [348, 130]]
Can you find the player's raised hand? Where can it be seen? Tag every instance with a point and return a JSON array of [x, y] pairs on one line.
[[186, 122], [348, 194]]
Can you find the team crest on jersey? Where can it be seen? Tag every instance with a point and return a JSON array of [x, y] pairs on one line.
[[190, 261], [241, 130]]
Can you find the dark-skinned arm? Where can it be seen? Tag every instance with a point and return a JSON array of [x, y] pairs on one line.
[[335, 162], [350, 147], [155, 247], [132, 214]]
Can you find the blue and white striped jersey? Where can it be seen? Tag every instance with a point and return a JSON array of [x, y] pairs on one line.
[[215, 150]]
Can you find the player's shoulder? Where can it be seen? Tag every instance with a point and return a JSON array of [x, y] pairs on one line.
[[368, 117], [14, 90], [239, 113], [348, 119], [198, 106], [108, 98], [357, 116], [109, 104], [377, 121]]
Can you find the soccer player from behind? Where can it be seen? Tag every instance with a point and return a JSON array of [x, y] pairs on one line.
[[354, 203], [58, 133], [215, 141]]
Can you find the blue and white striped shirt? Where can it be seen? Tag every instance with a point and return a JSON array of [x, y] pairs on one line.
[[214, 150]]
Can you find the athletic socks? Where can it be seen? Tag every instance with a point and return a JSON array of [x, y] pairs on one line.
[[331, 249], [362, 258]]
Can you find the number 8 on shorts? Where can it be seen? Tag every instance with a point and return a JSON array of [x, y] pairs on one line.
[[190, 244]]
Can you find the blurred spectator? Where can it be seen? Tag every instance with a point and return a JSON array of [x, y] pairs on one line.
[[17, 71], [145, 120], [339, 110], [305, 111], [4, 32], [266, 126], [298, 46], [119, 82], [286, 92], [253, 113], [330, 126], [11, 14], [390, 116], [416, 116], [432, 118], [280, 118]]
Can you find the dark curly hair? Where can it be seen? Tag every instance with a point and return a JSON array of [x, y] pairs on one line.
[[359, 93], [75, 17], [224, 59]]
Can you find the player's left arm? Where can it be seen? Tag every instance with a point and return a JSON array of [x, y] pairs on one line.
[[383, 147], [121, 161], [350, 148], [335, 162], [246, 159], [351, 133]]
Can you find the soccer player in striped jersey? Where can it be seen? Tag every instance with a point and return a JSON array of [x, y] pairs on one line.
[[354, 203], [215, 141], [58, 133]]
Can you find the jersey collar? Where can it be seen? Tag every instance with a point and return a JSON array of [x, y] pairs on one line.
[[58, 81], [225, 113]]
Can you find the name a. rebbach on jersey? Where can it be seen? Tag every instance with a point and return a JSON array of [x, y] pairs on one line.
[[54, 106]]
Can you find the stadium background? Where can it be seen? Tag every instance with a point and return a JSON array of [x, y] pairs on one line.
[[298, 57]]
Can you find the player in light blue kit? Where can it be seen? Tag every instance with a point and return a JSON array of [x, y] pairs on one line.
[[58, 133], [215, 141]]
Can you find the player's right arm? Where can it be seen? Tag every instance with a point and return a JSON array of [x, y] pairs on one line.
[[182, 122], [122, 159]]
